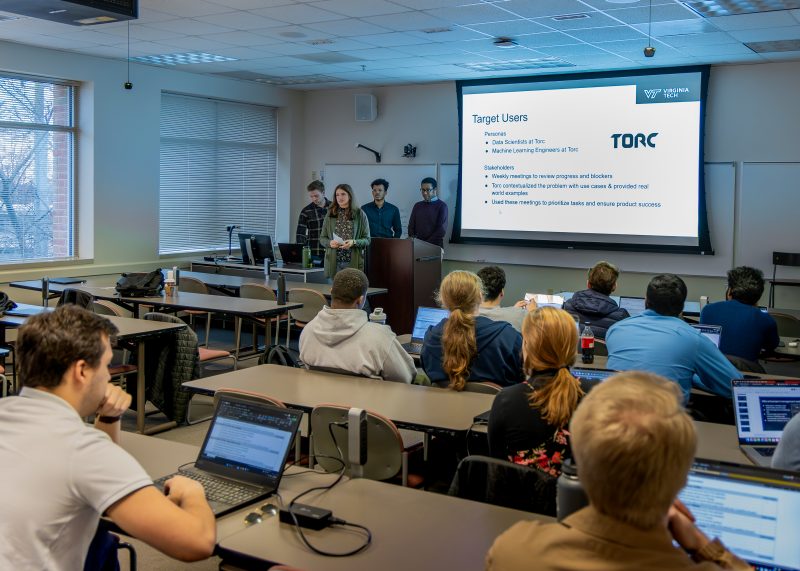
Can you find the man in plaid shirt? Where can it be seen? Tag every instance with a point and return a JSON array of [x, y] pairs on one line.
[[311, 218]]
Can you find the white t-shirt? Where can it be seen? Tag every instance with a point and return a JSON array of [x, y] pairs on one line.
[[58, 476], [513, 314]]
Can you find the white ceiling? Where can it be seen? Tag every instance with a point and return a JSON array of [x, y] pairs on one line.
[[353, 43]]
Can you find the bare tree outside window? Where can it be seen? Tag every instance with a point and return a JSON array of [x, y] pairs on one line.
[[36, 164]]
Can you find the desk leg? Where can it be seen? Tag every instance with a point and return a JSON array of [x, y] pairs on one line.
[[140, 400]]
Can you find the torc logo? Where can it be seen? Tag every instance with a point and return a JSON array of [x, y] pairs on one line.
[[633, 141], [651, 93]]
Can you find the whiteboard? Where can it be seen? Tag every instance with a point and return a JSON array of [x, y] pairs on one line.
[[403, 182], [720, 201], [767, 219]]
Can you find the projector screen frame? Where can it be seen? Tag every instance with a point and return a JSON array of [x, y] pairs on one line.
[[703, 246]]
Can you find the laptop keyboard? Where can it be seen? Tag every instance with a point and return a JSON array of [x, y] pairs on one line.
[[412, 347], [223, 491], [764, 450]]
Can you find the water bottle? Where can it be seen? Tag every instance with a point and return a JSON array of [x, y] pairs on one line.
[[703, 301], [570, 496], [176, 272], [266, 268], [45, 291], [587, 345], [306, 256], [169, 284], [281, 289], [378, 316]]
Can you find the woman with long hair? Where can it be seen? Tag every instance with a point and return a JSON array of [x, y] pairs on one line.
[[467, 346], [345, 233], [529, 422]]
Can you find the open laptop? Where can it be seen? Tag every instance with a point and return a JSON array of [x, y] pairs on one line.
[[244, 453], [754, 511], [634, 305], [763, 407], [291, 253], [713, 332], [426, 317], [591, 376]]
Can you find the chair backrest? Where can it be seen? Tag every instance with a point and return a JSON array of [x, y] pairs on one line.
[[246, 395], [384, 443], [169, 318], [600, 348], [77, 297], [502, 483], [257, 291], [788, 325], [312, 301], [192, 285], [485, 387], [785, 259], [103, 307]]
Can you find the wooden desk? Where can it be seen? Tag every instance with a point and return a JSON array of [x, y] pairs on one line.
[[427, 409], [785, 350], [719, 442], [411, 529]]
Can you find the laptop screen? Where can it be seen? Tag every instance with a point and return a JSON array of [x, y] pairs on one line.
[[713, 332], [248, 440], [634, 305], [291, 253], [763, 407], [754, 511], [597, 375], [427, 317]]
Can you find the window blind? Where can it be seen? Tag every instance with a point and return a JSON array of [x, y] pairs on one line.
[[218, 168]]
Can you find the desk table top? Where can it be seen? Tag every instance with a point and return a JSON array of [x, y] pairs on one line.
[[409, 406]]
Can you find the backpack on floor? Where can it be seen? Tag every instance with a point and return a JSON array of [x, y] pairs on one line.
[[280, 355]]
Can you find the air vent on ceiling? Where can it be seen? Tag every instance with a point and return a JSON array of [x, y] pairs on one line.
[[436, 30], [74, 12], [774, 46], [328, 57], [564, 17], [323, 42], [301, 80]]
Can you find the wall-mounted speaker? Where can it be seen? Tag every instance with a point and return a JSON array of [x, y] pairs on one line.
[[366, 107]]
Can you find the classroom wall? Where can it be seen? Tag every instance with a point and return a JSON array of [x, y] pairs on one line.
[[751, 116], [118, 153]]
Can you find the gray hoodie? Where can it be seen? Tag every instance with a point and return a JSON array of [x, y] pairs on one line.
[[345, 339]]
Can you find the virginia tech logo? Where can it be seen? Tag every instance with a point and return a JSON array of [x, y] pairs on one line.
[[651, 93]]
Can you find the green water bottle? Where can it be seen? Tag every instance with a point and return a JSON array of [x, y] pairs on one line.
[[306, 256]]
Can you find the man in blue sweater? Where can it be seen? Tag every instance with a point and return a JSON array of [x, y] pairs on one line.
[[429, 216], [746, 330], [659, 341], [384, 218]]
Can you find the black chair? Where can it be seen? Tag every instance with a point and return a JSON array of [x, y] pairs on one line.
[[102, 555], [780, 259], [77, 297], [502, 483]]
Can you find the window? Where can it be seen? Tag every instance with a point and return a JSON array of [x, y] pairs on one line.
[[218, 168], [37, 138]]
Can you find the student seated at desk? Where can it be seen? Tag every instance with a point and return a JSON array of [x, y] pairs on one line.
[[746, 330], [60, 475], [341, 337], [593, 305], [467, 346], [494, 283], [634, 445], [528, 423], [659, 341]]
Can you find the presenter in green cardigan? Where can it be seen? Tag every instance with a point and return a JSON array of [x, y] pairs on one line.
[[345, 233]]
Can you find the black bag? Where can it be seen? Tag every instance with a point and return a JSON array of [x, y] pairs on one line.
[[141, 284], [280, 355], [5, 303]]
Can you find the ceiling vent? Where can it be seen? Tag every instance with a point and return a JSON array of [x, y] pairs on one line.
[[74, 12]]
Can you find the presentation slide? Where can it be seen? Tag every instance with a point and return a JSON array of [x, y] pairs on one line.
[[598, 159]]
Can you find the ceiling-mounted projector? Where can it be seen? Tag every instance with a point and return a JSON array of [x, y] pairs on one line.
[[74, 12]]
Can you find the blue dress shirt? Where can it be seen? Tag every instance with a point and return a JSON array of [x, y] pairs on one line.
[[384, 222], [672, 348]]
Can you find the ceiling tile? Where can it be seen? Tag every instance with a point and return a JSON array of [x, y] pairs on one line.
[[765, 35], [660, 14], [239, 38], [546, 39], [542, 8], [408, 21], [185, 8], [189, 27], [241, 21], [511, 28], [751, 21], [298, 14], [292, 33], [471, 14], [390, 39], [593, 20], [697, 40], [360, 8], [374, 53], [676, 27], [195, 43], [250, 4], [349, 27], [610, 33], [447, 35]]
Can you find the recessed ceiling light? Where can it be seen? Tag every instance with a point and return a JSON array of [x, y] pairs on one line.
[[537, 63], [710, 8], [183, 59]]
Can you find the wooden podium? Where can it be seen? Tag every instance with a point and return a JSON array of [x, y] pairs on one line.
[[411, 270]]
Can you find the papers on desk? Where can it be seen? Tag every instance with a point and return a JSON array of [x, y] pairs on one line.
[[543, 300]]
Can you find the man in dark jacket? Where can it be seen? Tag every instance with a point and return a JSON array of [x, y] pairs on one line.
[[593, 305]]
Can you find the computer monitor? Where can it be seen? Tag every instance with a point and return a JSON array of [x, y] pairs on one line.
[[255, 248]]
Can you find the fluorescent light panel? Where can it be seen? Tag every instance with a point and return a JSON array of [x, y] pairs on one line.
[[538, 63], [183, 58]]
